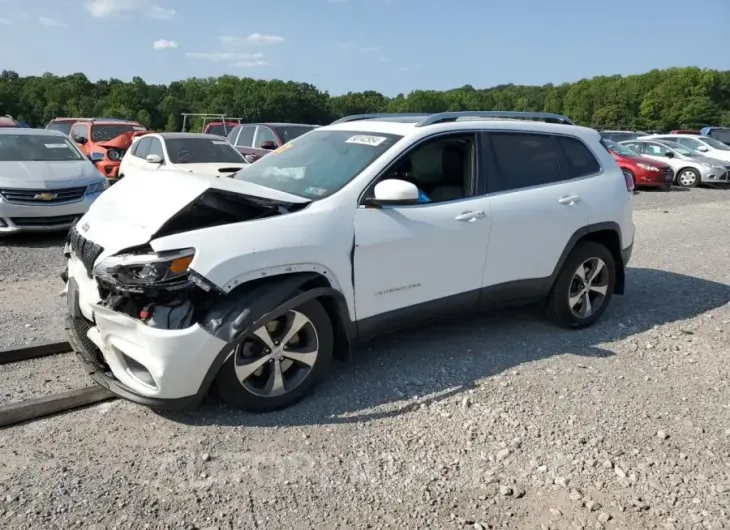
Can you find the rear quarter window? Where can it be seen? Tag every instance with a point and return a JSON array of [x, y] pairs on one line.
[[580, 160]]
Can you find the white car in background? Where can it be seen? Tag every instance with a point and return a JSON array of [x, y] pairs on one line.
[[691, 168], [197, 153], [704, 144], [46, 183]]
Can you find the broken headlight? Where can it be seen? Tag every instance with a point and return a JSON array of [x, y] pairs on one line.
[[155, 269]]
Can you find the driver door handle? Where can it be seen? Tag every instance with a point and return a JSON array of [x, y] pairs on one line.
[[470, 217], [569, 199]]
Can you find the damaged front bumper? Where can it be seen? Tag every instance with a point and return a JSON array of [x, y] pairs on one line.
[[153, 366]]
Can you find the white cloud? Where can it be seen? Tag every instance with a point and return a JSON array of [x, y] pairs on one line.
[[52, 23], [254, 38], [258, 38], [146, 8], [163, 44], [250, 64], [217, 57], [369, 49], [5, 21]]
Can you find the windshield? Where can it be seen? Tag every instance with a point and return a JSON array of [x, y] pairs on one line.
[[621, 150], [104, 133], [220, 130], [202, 151], [289, 132], [37, 148], [318, 164], [61, 126], [714, 143]]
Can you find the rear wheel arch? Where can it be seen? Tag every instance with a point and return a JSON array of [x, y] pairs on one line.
[[607, 234]]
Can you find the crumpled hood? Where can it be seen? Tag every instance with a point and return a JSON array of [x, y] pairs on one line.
[[210, 169], [123, 141], [134, 209], [47, 175]]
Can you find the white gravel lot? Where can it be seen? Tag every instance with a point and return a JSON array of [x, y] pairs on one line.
[[499, 421]]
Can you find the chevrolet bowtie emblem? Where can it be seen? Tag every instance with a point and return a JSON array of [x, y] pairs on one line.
[[46, 196]]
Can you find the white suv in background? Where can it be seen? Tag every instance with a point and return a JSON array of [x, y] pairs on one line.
[[375, 222]]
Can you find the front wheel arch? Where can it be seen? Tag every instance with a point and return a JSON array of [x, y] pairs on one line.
[[250, 304]]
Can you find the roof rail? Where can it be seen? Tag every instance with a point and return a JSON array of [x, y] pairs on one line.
[[358, 117], [442, 117]]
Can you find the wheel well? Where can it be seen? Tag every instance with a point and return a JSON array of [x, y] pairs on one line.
[[611, 240], [335, 312], [336, 309]]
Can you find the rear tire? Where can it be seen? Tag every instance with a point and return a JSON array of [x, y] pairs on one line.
[[584, 286], [279, 363]]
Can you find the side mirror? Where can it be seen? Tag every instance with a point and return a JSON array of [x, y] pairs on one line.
[[394, 192], [670, 154], [80, 140], [96, 157], [154, 159], [268, 145], [703, 148]]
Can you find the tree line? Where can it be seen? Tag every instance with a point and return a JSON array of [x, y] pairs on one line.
[[660, 99]]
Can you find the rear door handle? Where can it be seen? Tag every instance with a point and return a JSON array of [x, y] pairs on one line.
[[569, 199], [469, 217]]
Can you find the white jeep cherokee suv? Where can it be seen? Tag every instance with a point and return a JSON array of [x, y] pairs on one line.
[[176, 282]]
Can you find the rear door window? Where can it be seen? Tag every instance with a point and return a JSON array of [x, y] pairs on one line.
[[523, 160]]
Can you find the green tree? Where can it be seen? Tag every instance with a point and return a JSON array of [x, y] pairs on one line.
[[659, 99]]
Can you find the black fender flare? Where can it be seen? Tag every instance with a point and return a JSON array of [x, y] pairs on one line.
[[585, 233], [235, 318]]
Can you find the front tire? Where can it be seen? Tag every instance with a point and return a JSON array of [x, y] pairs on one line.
[[584, 286], [279, 363], [688, 178]]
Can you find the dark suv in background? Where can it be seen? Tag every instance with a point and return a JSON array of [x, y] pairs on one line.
[[254, 140]]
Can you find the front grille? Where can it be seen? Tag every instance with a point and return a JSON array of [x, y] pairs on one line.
[[668, 174], [44, 221], [26, 196], [87, 251]]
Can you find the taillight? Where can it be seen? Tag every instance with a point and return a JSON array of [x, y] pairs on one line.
[[629, 179]]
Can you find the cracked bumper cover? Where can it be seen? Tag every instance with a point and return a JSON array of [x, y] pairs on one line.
[[112, 346]]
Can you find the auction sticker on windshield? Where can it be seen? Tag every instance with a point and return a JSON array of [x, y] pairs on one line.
[[281, 149], [56, 146], [366, 140]]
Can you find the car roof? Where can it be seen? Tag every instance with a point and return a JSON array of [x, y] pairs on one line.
[[406, 128], [31, 132], [113, 122], [281, 124], [184, 135]]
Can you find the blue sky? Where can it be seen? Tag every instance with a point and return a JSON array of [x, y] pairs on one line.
[[340, 45]]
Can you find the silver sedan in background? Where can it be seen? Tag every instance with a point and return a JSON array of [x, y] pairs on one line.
[[691, 168], [46, 183]]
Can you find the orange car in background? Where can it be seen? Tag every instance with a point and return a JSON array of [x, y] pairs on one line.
[[105, 141]]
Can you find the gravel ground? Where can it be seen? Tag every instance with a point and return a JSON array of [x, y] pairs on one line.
[[499, 421], [31, 311]]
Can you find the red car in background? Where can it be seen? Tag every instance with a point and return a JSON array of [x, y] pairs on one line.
[[645, 172], [220, 128], [684, 131], [8, 121]]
